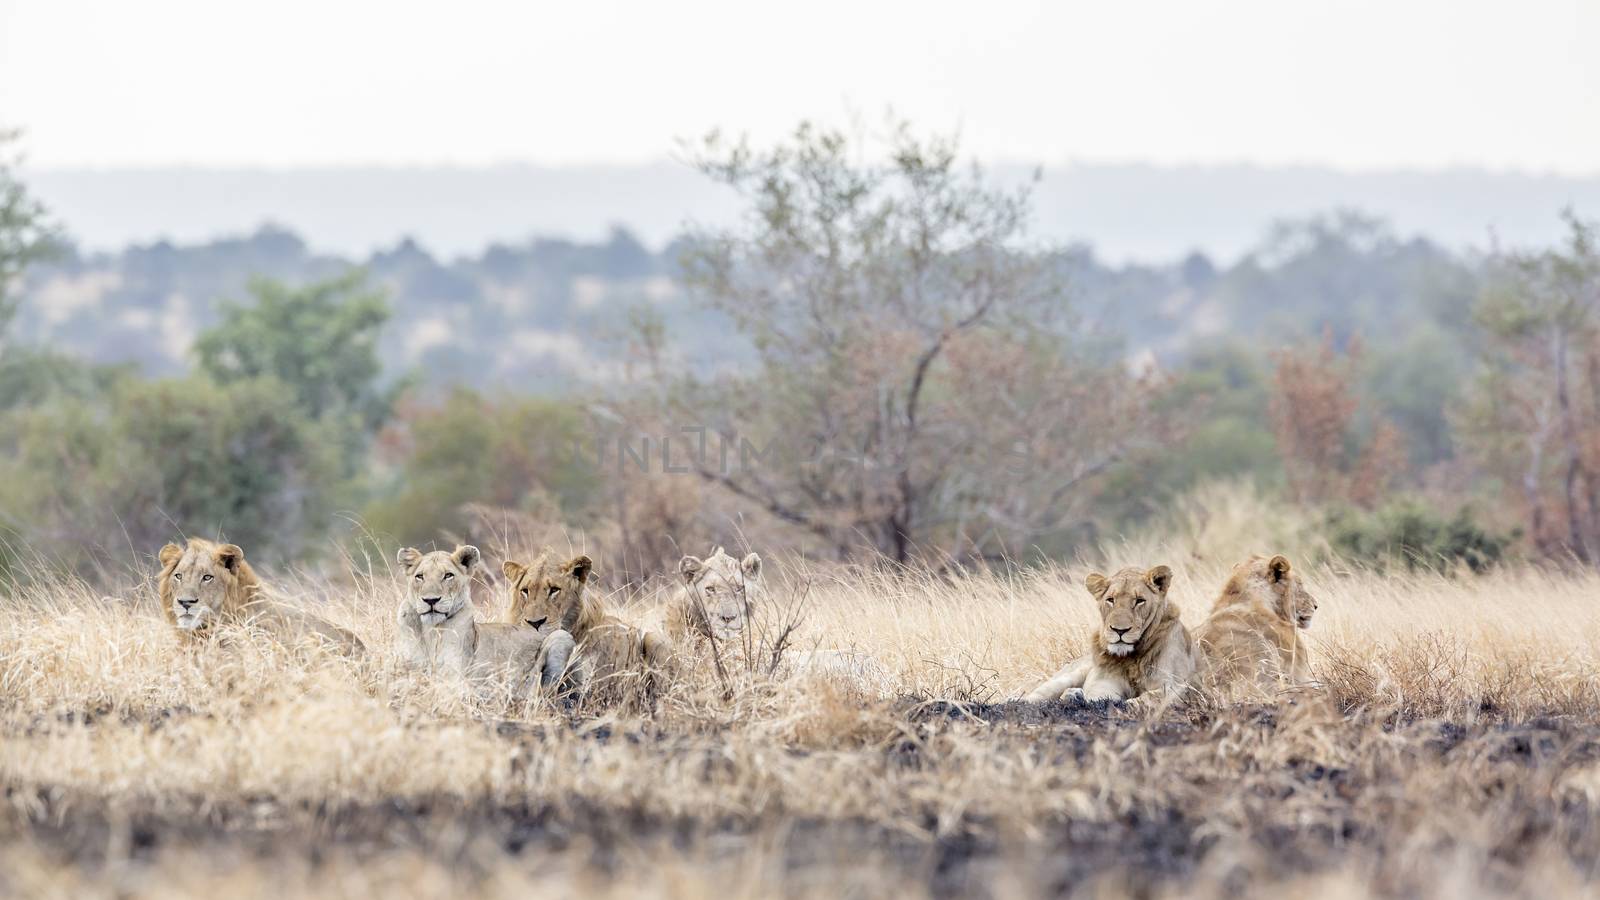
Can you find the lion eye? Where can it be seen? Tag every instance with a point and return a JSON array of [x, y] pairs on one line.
[[524, 592], [1139, 602], [553, 591], [419, 576], [449, 575], [176, 577], [204, 578]]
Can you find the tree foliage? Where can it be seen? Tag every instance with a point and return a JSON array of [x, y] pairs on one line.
[[918, 384], [26, 233], [1534, 416]]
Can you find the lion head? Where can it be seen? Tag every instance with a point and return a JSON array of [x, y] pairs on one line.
[[1130, 602], [547, 594], [726, 590], [439, 584], [203, 583], [1290, 600], [1270, 584]]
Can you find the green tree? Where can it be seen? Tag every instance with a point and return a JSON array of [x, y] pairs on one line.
[[90, 479], [1533, 417], [26, 233], [319, 341], [520, 453]]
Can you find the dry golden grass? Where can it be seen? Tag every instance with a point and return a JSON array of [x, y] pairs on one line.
[[1453, 752]]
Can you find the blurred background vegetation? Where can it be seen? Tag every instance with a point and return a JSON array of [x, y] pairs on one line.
[[878, 359]]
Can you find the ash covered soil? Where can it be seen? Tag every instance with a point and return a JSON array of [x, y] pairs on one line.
[[1221, 797]]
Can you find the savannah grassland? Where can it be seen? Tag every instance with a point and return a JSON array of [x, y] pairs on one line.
[[1454, 751]]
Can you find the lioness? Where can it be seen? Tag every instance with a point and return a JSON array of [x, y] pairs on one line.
[[1252, 637], [715, 602], [440, 629], [546, 594], [205, 583], [1141, 648], [715, 598]]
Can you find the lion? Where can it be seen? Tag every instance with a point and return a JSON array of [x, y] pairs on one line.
[[546, 594], [715, 603], [439, 629], [715, 598], [1252, 637], [1141, 649], [205, 584]]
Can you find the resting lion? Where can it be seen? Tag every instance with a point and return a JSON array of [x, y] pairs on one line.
[[440, 630], [546, 595], [715, 598], [1252, 637], [204, 583], [1141, 649], [716, 601]]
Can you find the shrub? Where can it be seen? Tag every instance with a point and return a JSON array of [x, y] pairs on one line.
[[1410, 532]]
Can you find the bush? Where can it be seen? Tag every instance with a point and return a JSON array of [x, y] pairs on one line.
[[1410, 532], [84, 479]]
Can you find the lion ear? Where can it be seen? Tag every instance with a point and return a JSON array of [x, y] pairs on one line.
[[1160, 578], [466, 556], [513, 570], [690, 568], [229, 556], [1097, 584], [579, 567], [751, 566], [408, 557], [169, 555], [1278, 568]]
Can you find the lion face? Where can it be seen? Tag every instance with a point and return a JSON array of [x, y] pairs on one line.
[[547, 595], [725, 587], [199, 579], [439, 584], [1129, 602], [1295, 603]]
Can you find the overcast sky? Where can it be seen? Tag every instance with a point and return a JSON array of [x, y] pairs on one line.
[[1355, 85]]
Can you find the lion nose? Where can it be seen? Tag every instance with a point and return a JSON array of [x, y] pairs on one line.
[[730, 619], [431, 601], [1121, 631], [187, 603]]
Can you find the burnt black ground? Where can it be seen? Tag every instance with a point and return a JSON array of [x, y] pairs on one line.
[[1148, 851]]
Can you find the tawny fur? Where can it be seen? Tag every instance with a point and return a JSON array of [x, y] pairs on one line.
[[446, 635], [1251, 640], [545, 594], [1162, 660], [223, 584]]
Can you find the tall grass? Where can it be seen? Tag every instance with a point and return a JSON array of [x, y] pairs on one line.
[[1450, 751]]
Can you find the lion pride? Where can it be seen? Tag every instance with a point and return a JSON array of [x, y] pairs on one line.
[[1141, 649], [204, 584]]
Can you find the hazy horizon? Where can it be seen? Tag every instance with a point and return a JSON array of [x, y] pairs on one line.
[[1126, 212]]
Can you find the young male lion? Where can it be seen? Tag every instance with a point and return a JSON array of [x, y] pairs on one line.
[[1141, 649], [203, 584], [440, 630], [1252, 640], [546, 594]]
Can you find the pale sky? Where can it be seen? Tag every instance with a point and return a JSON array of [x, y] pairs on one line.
[[1353, 85]]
